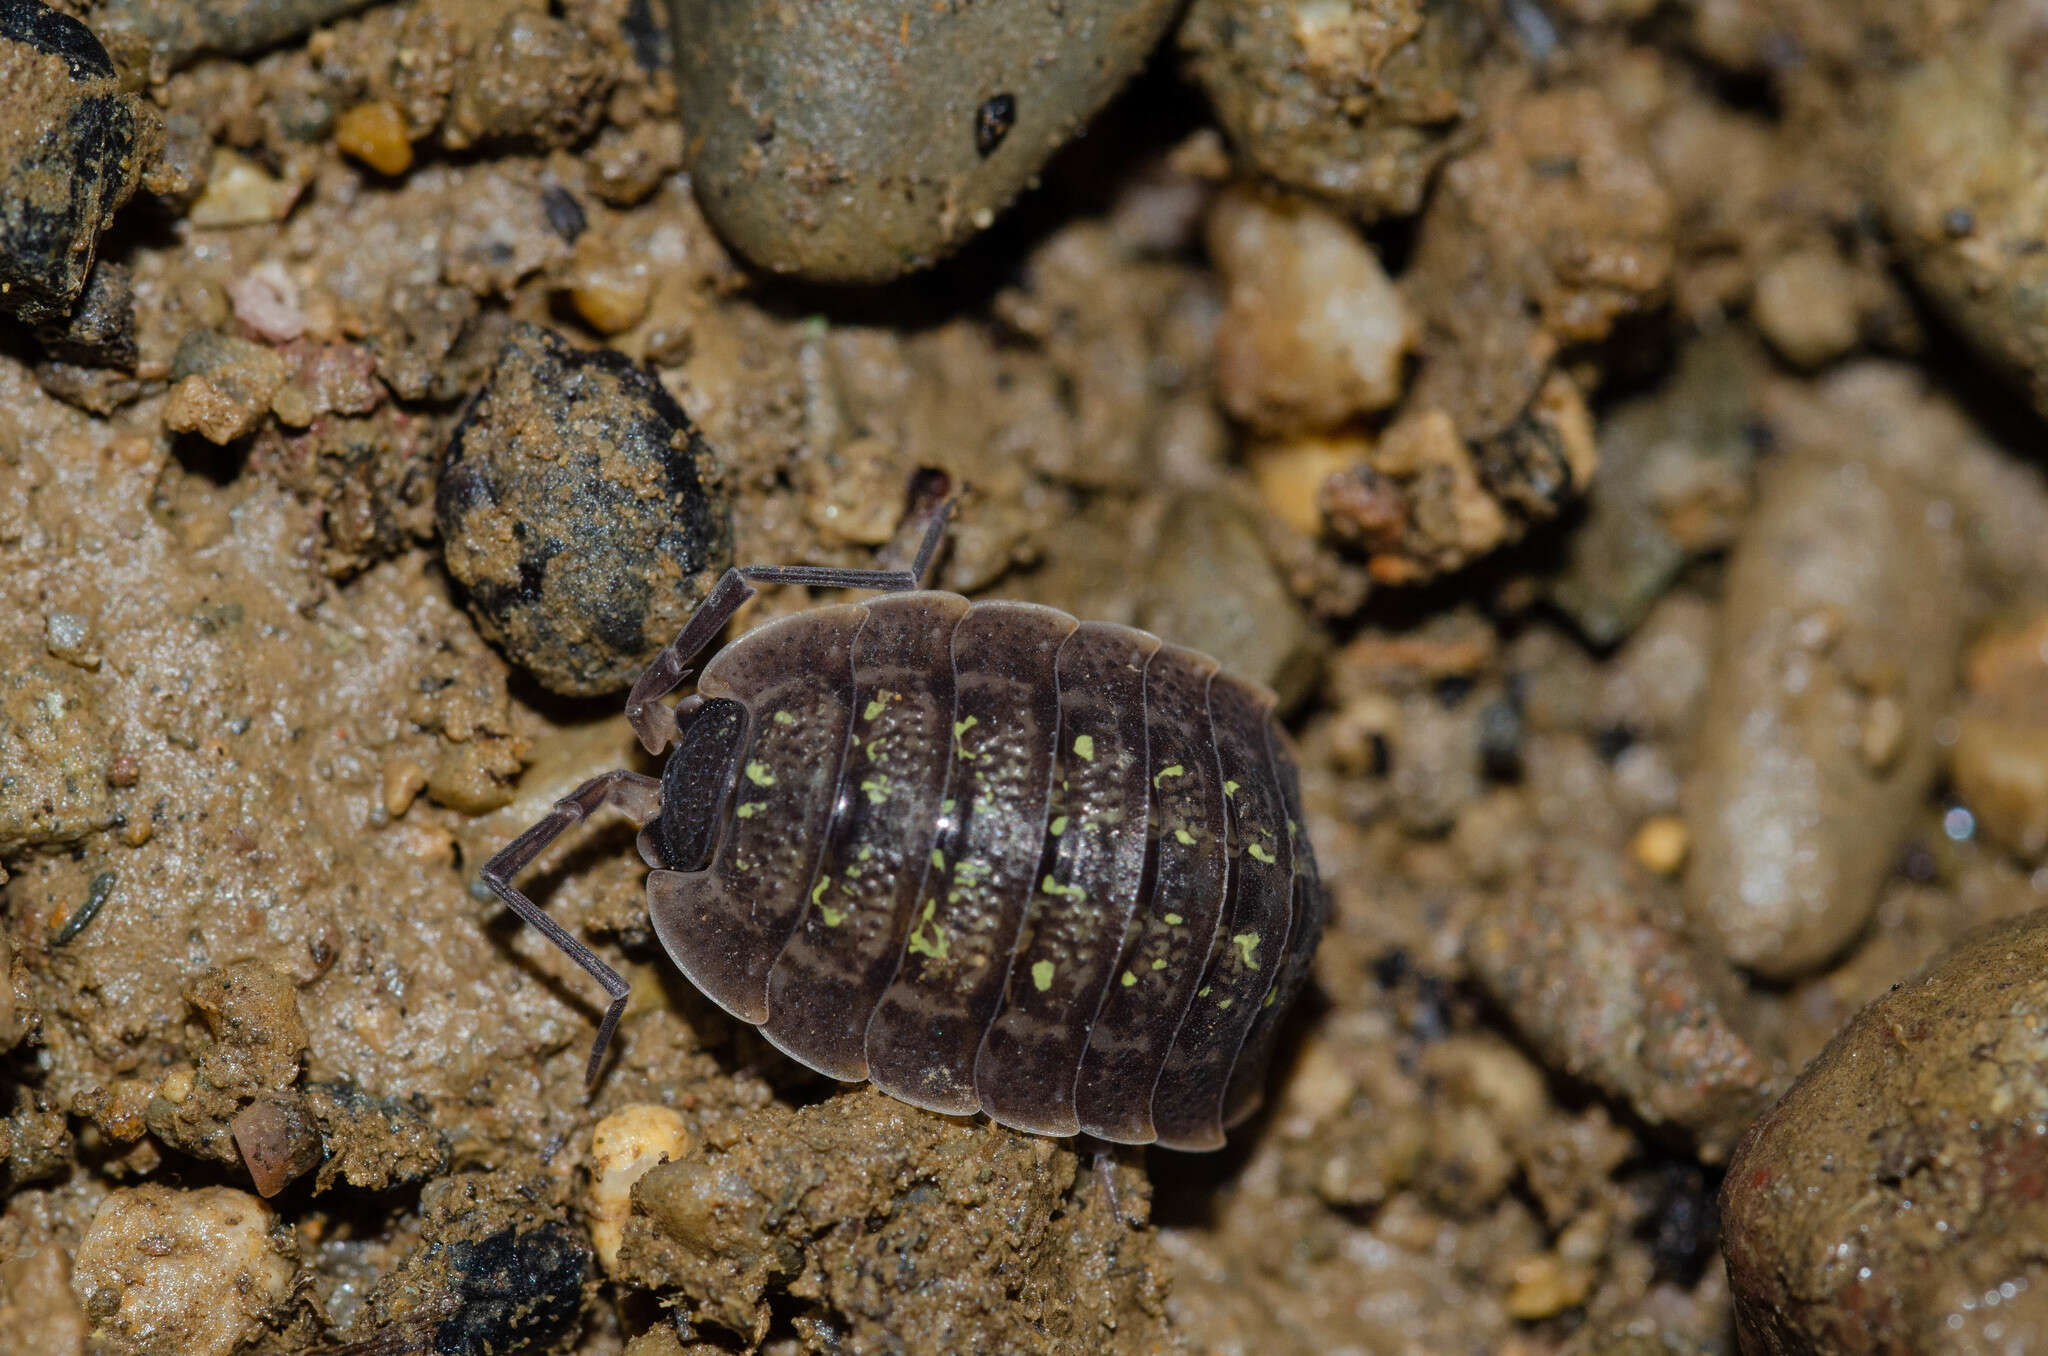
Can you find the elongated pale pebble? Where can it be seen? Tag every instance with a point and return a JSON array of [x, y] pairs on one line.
[[623, 1146], [1793, 826]]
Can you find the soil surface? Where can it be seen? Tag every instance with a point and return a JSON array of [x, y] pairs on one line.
[[1612, 427]]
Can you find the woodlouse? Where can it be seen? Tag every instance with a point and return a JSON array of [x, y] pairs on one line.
[[988, 856]]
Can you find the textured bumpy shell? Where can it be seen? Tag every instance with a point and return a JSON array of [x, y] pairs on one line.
[[995, 859]]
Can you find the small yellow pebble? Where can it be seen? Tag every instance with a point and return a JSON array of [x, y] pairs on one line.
[[623, 1146], [403, 780], [610, 293], [1289, 476], [374, 133], [1661, 843], [1543, 1285]]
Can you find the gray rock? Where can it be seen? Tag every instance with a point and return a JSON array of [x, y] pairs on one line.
[[1211, 586], [853, 142], [582, 513]]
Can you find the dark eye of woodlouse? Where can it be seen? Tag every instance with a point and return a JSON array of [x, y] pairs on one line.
[[993, 121]]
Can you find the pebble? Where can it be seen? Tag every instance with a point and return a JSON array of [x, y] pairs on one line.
[[1999, 759], [1595, 972], [222, 385], [374, 133], [1212, 587], [495, 1268], [623, 1146], [278, 1140], [1794, 823], [858, 141], [1963, 143], [1289, 475], [100, 330], [189, 1271], [1314, 333], [1660, 844], [1673, 485], [72, 147], [1805, 304], [1892, 1201], [239, 192], [581, 512], [1286, 80], [168, 33]]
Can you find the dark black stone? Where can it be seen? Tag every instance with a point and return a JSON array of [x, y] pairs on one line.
[[517, 1290], [66, 159], [100, 331]]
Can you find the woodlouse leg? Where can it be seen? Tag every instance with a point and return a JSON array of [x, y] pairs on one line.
[[640, 798], [655, 723]]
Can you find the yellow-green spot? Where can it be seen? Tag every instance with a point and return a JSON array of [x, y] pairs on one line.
[[1183, 837], [1223, 1004], [1053, 887], [876, 789], [1129, 979], [1176, 770], [784, 718], [748, 809], [1084, 748], [1259, 852], [1174, 920], [1230, 788], [946, 806], [833, 917], [1271, 994], [1041, 975], [1159, 964], [864, 854], [1058, 826], [818, 890], [1292, 829], [935, 946], [1204, 993], [874, 708], [938, 859], [759, 775], [869, 749], [1247, 943], [961, 727]]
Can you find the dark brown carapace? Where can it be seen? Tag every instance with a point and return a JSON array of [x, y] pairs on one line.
[[987, 856]]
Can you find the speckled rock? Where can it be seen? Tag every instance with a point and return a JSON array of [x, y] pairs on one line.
[[1817, 743], [1964, 169], [1892, 1200], [581, 512], [1594, 969], [857, 141], [165, 1272], [1356, 102], [72, 147]]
